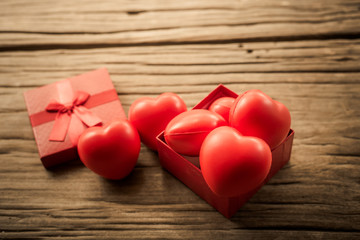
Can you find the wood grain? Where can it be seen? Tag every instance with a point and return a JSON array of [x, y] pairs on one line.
[[88, 24], [302, 53]]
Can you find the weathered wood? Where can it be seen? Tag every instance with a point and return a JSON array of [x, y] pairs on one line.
[[72, 25], [302, 53], [202, 61]]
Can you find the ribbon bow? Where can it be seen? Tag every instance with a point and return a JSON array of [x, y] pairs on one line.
[[64, 113]]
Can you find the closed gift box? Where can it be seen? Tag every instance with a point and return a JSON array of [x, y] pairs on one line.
[[61, 111], [187, 169]]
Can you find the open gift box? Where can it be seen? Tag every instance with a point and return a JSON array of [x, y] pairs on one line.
[[187, 169], [61, 111]]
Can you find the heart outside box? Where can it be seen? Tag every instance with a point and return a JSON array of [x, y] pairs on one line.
[[187, 169], [95, 82]]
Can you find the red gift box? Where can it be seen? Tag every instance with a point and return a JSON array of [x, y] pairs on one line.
[[187, 169], [61, 111]]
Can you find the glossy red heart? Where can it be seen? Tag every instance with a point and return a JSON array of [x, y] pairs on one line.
[[111, 151], [151, 115], [233, 164], [222, 106], [186, 132], [256, 114]]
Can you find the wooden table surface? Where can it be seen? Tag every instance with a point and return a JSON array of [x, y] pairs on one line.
[[302, 53]]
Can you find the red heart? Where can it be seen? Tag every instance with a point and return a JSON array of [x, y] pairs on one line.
[[186, 132], [233, 164], [110, 151], [255, 114], [150, 116], [222, 106]]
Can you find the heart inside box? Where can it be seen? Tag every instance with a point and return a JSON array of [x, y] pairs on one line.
[[196, 161], [220, 91], [187, 169]]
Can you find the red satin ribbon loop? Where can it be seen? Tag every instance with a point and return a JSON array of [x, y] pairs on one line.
[[64, 114]]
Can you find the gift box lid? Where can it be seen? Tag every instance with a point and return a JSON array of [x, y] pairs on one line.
[[102, 102]]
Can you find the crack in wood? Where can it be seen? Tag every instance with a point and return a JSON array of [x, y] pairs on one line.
[[180, 27], [38, 47]]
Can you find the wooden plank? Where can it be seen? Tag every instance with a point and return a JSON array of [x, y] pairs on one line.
[[336, 138], [329, 104], [70, 25], [200, 61], [302, 53], [169, 233], [160, 199], [162, 189], [109, 17], [316, 195], [303, 173]]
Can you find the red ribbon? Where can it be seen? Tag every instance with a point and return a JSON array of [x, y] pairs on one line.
[[65, 112]]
